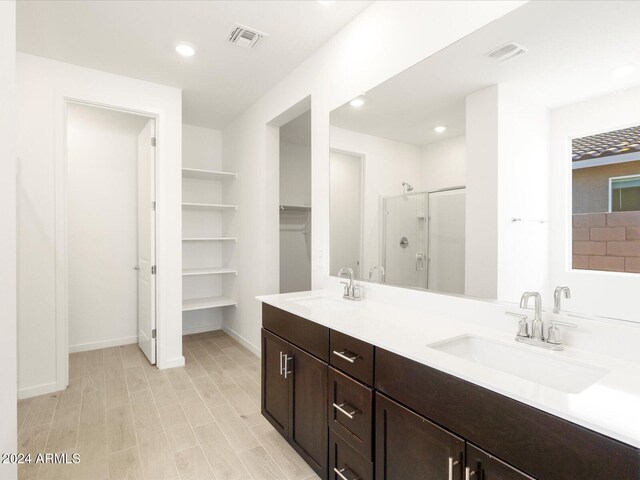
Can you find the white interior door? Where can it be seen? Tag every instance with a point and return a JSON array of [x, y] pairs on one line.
[[345, 205], [146, 242]]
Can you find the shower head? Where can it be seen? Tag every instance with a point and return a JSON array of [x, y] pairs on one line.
[[407, 187]]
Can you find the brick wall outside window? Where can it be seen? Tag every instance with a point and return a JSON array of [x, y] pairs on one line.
[[607, 241]]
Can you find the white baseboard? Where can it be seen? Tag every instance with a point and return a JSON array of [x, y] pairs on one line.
[[38, 390], [200, 329], [173, 363], [117, 342], [243, 341]]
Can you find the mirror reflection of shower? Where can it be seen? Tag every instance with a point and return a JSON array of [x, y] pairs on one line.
[[423, 240], [406, 187]]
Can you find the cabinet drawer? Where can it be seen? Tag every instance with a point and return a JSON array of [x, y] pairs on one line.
[[302, 333], [351, 412], [352, 356], [346, 463]]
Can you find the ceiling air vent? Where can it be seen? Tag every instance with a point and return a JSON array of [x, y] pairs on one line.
[[507, 52], [245, 37]]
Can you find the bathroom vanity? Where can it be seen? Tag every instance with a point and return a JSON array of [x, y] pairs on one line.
[[360, 396]]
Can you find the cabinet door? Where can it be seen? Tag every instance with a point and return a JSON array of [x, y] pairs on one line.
[[308, 417], [482, 466], [275, 387], [409, 446]]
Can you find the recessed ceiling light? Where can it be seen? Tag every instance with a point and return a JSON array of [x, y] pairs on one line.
[[185, 50], [326, 2], [623, 71], [358, 101], [440, 129]]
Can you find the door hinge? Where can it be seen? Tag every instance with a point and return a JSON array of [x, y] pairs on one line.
[[153, 206], [153, 333], [153, 141], [153, 269]]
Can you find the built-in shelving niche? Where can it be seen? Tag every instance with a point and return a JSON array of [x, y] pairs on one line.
[[206, 248]]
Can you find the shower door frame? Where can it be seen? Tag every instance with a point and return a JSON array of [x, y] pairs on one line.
[[383, 240]]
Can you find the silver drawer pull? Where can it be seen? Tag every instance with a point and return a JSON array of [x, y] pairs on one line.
[[341, 471], [452, 463], [280, 363], [342, 408], [285, 365], [345, 356], [468, 473]]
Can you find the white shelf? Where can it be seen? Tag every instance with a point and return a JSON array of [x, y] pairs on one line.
[[295, 207], [210, 239], [207, 302], [207, 174], [210, 206], [187, 272]]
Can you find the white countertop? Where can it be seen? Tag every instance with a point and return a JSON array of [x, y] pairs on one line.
[[610, 406]]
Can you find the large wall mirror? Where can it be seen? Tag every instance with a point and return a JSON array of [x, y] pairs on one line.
[[507, 162]]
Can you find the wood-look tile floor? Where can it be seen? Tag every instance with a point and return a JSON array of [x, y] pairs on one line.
[[129, 420]]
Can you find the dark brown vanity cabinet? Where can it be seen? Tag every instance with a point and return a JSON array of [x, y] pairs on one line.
[[275, 387], [295, 354], [410, 446], [356, 411], [482, 466]]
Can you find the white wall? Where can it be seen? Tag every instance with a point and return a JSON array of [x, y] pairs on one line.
[[443, 164], [481, 232], [295, 174], [387, 164], [42, 86], [8, 434], [523, 192], [385, 39], [102, 171], [507, 177], [602, 293], [202, 149]]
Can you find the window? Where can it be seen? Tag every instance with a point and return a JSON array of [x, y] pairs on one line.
[[624, 193], [606, 201]]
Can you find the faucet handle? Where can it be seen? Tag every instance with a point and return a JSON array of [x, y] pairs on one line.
[[523, 326], [554, 335], [346, 291]]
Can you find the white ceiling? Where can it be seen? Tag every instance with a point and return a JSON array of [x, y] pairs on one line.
[[572, 48], [137, 39]]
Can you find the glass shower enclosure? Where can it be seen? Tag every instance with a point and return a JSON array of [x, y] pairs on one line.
[[424, 240]]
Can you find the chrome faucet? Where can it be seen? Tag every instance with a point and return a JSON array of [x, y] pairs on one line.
[[537, 338], [351, 290], [378, 267], [557, 297], [537, 326]]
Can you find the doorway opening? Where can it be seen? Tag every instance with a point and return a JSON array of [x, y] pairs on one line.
[[110, 221], [295, 204], [288, 182], [346, 171]]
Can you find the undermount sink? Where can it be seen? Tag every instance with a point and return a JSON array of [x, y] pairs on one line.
[[563, 375], [323, 303]]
